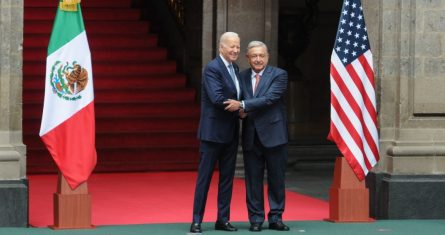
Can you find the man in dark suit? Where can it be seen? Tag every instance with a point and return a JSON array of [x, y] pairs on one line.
[[218, 132], [264, 136]]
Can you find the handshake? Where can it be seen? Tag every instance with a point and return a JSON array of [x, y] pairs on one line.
[[235, 105]]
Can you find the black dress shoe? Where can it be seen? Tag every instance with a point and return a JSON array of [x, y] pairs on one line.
[[195, 228], [278, 226], [225, 227], [255, 227]]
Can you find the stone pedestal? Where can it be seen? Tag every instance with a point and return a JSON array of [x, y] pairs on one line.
[[407, 196], [72, 208], [348, 197], [13, 203]]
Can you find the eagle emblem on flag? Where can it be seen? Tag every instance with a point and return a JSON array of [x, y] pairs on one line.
[[68, 80]]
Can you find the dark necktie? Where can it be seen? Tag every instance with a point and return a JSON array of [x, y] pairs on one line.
[[232, 74]]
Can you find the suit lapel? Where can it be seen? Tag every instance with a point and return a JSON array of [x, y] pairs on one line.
[[248, 82], [227, 74]]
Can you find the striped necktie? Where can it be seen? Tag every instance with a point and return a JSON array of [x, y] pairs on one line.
[[232, 74]]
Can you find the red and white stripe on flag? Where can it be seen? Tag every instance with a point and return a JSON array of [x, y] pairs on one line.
[[353, 102]]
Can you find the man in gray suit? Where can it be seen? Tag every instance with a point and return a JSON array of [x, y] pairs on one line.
[[264, 136]]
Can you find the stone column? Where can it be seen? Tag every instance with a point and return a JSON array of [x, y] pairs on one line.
[[13, 183], [252, 20], [409, 181]]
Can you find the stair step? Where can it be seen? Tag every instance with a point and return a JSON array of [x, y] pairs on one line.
[[102, 55], [129, 124], [124, 95], [139, 159], [96, 41], [98, 27], [164, 139], [149, 165], [152, 156], [124, 109], [112, 69], [131, 166], [137, 154], [159, 139], [110, 14], [155, 82], [84, 4], [148, 124]]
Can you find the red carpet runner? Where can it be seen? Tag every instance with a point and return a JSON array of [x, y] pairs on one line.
[[167, 197], [146, 117]]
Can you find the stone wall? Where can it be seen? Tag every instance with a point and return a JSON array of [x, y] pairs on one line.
[[13, 185], [251, 19], [409, 181]]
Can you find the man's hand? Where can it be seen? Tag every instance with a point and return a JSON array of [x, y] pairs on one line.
[[232, 105], [242, 114]]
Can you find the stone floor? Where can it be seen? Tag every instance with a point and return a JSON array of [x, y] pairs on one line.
[[311, 169], [309, 178], [310, 182]]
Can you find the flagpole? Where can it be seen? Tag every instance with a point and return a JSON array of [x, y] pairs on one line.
[[72, 207]]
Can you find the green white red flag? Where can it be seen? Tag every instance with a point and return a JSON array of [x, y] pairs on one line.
[[68, 125]]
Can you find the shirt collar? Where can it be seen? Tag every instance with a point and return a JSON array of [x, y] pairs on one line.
[[261, 73], [227, 63]]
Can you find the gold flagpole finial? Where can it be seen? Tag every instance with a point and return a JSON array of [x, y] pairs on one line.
[[69, 5]]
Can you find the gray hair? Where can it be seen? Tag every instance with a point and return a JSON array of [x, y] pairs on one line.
[[226, 36], [253, 44]]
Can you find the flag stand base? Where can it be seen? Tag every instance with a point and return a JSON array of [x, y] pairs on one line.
[[348, 197], [72, 208]]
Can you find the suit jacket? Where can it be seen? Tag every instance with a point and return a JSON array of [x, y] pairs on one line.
[[266, 113], [216, 124]]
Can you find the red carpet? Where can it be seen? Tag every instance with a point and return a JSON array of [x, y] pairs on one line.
[[164, 197]]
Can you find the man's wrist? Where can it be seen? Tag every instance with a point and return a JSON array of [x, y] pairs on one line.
[[241, 104]]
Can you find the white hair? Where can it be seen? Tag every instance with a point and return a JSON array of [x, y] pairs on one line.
[[253, 44], [226, 36]]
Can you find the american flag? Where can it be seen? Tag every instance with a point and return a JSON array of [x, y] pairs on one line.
[[353, 102]]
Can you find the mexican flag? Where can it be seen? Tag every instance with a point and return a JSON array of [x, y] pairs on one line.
[[68, 126]]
